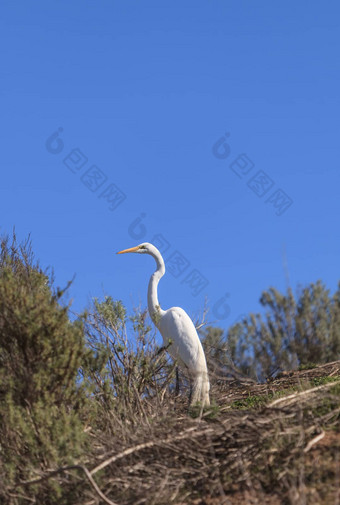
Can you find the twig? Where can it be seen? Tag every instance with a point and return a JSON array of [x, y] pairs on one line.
[[314, 441], [146, 445], [17, 495], [302, 393], [71, 467]]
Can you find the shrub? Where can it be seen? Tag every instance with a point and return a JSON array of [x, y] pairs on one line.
[[293, 332], [123, 370], [40, 354]]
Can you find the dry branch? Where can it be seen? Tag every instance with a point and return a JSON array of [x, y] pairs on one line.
[[162, 456], [300, 394]]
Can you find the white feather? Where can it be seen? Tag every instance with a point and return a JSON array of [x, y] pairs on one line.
[[177, 328]]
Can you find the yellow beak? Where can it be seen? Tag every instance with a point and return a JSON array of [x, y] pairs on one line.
[[132, 249]]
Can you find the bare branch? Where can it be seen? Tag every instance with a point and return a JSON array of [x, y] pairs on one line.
[[65, 469]]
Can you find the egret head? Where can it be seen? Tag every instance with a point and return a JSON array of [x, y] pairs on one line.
[[145, 248]]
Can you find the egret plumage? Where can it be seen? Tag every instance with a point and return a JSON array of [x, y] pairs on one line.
[[177, 329]]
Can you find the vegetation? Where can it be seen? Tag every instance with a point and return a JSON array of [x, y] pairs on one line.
[[40, 355], [90, 412], [295, 332]]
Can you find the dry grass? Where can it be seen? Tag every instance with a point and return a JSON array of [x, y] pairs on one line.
[[260, 444]]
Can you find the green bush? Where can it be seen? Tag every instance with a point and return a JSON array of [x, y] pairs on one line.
[[40, 354], [293, 332], [123, 369]]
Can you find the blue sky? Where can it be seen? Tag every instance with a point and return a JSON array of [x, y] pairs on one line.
[[212, 126]]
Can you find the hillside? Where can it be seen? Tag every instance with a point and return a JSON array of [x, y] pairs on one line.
[[268, 443], [90, 412]]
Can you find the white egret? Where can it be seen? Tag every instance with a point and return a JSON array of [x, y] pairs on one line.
[[177, 329]]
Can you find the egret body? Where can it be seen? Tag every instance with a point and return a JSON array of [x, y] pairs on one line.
[[177, 329]]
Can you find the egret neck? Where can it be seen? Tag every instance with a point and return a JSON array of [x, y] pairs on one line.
[[155, 310]]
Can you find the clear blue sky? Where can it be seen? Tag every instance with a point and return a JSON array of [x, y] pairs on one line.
[[215, 123]]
